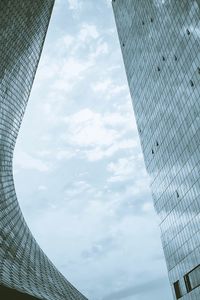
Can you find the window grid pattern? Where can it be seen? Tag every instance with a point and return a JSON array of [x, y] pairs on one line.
[[160, 42], [23, 265]]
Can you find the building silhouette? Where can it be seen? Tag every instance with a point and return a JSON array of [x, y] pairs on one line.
[[25, 271], [160, 42]]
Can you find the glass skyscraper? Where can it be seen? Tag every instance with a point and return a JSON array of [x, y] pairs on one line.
[[23, 265], [160, 42]]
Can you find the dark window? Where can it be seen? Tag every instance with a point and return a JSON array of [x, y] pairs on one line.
[[177, 194], [187, 283], [177, 290], [188, 32], [192, 279]]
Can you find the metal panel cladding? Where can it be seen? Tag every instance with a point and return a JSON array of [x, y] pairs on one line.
[[23, 265], [160, 42]]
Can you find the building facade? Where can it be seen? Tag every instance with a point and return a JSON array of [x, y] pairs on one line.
[[160, 42], [23, 265]]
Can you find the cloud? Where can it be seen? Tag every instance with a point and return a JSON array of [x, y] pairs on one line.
[[108, 2], [74, 58], [98, 135], [88, 32], [101, 49], [128, 168], [135, 290], [89, 129], [148, 207], [102, 86], [42, 188], [70, 73], [26, 161], [124, 169], [64, 154], [66, 41], [98, 153], [109, 88], [74, 4]]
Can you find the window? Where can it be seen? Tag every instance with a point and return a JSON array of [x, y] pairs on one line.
[[188, 32], [177, 290], [187, 283], [192, 279]]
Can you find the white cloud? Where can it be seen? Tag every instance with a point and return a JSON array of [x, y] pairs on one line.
[[74, 4], [63, 154], [70, 73], [98, 135], [86, 37], [109, 88], [42, 188], [108, 2], [122, 170], [102, 48], [26, 161], [130, 168], [98, 153], [88, 32], [47, 69], [87, 129], [148, 207], [66, 41], [75, 57], [102, 86]]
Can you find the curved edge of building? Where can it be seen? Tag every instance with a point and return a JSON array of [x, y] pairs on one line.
[[23, 265]]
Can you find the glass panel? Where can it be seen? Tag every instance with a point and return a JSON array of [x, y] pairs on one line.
[[177, 290], [194, 277]]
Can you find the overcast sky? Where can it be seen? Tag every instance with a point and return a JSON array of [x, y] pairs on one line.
[[78, 166]]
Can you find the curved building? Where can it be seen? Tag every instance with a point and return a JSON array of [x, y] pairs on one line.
[[160, 42], [24, 268]]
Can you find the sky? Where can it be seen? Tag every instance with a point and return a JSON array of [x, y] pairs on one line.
[[78, 165]]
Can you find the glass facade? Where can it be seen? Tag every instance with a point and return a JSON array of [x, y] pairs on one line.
[[23, 265], [160, 42]]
